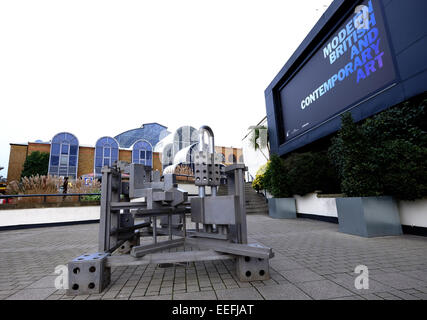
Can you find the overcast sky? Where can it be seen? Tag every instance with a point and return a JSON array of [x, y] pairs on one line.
[[97, 68]]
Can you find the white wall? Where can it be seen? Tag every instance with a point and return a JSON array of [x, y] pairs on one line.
[[16, 217], [191, 188], [413, 213], [311, 204], [253, 159]]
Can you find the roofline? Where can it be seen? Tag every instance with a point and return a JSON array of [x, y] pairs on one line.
[[141, 127], [144, 124], [66, 132], [265, 118], [108, 137], [18, 144]]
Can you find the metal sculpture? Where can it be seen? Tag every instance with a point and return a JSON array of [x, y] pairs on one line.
[[219, 222]]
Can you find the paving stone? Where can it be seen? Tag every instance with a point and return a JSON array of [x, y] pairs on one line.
[[54, 297], [398, 281], [324, 289], [165, 291], [422, 296], [300, 275], [45, 282], [397, 265], [283, 292], [206, 289], [348, 281], [387, 296], [32, 294], [403, 295], [160, 297], [239, 294], [206, 295], [284, 264], [193, 288], [417, 274], [218, 286], [371, 296], [355, 297]]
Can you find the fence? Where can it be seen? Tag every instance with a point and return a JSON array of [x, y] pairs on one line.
[[6, 199]]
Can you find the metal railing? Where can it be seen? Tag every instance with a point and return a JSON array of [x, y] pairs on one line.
[[249, 177], [44, 196]]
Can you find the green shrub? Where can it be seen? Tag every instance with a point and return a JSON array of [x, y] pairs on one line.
[[384, 155], [36, 164], [300, 173], [91, 198], [275, 179], [258, 183], [310, 171]]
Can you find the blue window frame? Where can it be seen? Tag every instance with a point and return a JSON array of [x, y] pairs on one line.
[[55, 148], [106, 153], [64, 155], [142, 153], [73, 161], [54, 160], [65, 148], [73, 150]]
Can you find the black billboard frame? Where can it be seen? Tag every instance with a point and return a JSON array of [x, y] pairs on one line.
[[343, 10]]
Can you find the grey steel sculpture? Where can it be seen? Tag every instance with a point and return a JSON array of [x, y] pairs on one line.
[[220, 221]]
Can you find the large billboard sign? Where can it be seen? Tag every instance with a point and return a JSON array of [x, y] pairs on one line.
[[352, 64]]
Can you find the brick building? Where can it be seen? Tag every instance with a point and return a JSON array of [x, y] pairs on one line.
[[68, 158]]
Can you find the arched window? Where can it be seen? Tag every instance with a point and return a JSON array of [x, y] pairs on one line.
[[106, 152], [232, 158], [241, 159], [64, 151], [142, 153], [183, 137], [167, 156]]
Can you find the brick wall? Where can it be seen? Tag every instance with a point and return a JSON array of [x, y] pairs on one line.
[[41, 147], [85, 165], [157, 163], [125, 155], [18, 154], [229, 152]]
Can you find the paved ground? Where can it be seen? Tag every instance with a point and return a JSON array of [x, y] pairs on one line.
[[313, 261]]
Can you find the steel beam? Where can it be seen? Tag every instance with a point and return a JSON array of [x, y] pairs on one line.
[[140, 251], [231, 248], [167, 257]]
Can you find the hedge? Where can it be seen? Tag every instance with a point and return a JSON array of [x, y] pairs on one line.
[[299, 174], [384, 155]]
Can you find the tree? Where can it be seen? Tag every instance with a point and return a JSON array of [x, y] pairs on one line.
[[259, 139], [258, 183], [36, 163]]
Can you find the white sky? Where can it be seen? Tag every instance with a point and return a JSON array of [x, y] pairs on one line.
[[97, 68]]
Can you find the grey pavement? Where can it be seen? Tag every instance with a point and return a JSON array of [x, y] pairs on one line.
[[312, 261]]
